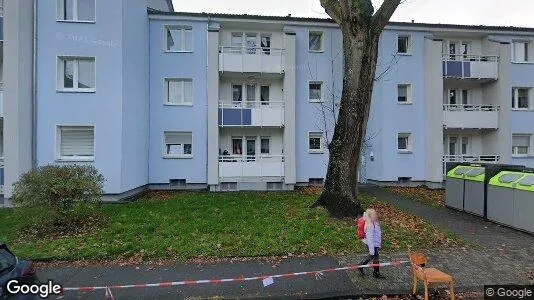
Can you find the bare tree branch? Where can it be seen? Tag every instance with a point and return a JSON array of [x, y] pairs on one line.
[[384, 13], [333, 9]]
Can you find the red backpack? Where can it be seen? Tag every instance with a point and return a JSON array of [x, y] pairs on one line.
[[360, 231]]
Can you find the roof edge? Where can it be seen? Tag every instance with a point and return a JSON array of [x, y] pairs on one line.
[[330, 21]]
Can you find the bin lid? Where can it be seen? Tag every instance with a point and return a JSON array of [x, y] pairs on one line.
[[476, 174], [459, 171], [506, 179], [526, 183]]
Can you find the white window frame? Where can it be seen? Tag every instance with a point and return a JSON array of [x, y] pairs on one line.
[[61, 9], [179, 156], [315, 134], [408, 44], [321, 83], [60, 74], [183, 29], [268, 138], [409, 97], [409, 142], [530, 149], [60, 157], [515, 98], [528, 52], [321, 33], [166, 82]]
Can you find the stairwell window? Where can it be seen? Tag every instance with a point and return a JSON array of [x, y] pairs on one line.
[[520, 98], [178, 91], [178, 144], [75, 143], [76, 74], [76, 10], [403, 44], [521, 145], [315, 91], [316, 142], [404, 143], [521, 51], [404, 94], [178, 38], [315, 41]]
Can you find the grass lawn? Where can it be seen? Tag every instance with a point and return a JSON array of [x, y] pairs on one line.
[[190, 225], [421, 194]]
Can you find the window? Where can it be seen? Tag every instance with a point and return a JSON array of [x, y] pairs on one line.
[[76, 74], [178, 144], [265, 145], [266, 44], [179, 38], [1, 12], [403, 142], [178, 91], [404, 92], [316, 41], [520, 51], [237, 146], [315, 142], [465, 145], [251, 41], [520, 98], [403, 44], [237, 93], [315, 91], [237, 42], [76, 142], [76, 10], [521, 144], [264, 94]]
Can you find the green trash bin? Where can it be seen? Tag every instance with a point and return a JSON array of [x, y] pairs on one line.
[[474, 195], [454, 187], [524, 203], [500, 197]]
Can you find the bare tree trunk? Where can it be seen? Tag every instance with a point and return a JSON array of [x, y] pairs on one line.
[[360, 56]]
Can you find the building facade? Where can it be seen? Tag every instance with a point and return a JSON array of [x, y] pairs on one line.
[[160, 99]]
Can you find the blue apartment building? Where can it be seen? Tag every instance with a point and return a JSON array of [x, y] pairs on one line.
[[158, 99]]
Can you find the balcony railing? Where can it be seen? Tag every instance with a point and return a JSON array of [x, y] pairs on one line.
[[251, 59], [476, 116], [251, 113], [467, 66], [237, 166], [469, 159]]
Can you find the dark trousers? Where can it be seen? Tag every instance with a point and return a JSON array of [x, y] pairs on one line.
[[374, 258]]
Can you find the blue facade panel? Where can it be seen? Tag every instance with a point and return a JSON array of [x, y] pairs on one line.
[[235, 116]]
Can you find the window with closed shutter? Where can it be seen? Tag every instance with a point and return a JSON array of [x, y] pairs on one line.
[[76, 141]]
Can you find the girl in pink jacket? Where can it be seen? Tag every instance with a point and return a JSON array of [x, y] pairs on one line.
[[373, 240]]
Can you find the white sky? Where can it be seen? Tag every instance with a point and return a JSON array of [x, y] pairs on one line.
[[471, 12]]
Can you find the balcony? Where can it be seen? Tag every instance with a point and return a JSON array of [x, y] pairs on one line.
[[471, 116], [251, 113], [251, 60], [480, 159], [475, 67], [239, 166]]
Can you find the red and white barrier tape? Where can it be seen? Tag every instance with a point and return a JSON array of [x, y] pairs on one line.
[[318, 274]]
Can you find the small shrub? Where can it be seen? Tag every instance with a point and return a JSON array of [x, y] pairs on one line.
[[58, 196]]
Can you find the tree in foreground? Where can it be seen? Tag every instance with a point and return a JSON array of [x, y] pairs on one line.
[[361, 27]]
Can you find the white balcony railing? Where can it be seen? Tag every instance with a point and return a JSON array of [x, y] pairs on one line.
[[469, 159], [470, 66], [471, 116], [251, 59], [2, 175], [238, 166], [251, 113]]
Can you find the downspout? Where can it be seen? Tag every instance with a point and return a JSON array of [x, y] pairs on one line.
[[34, 88]]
